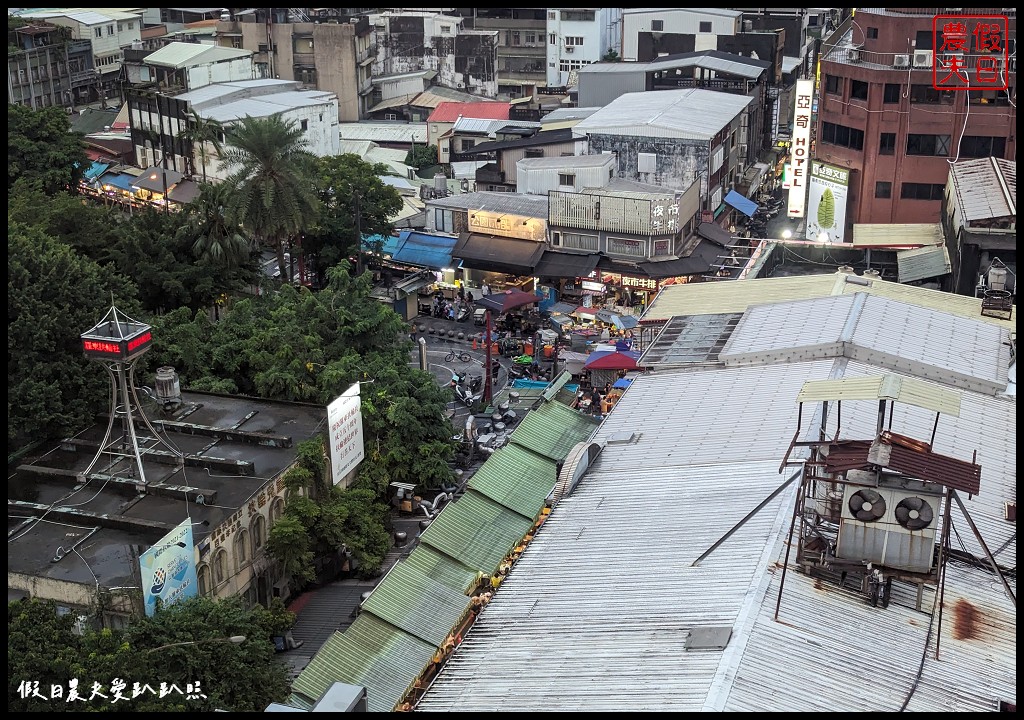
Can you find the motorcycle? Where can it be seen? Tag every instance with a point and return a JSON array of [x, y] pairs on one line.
[[464, 312]]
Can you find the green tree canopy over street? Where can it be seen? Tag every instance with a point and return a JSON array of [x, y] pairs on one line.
[[42, 148], [244, 677]]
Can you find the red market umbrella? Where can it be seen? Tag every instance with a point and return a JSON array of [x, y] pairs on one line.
[[617, 360], [505, 301]]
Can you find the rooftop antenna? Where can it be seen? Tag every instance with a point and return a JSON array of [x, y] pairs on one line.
[[117, 342]]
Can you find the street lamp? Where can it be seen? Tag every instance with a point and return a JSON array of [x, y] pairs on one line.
[[234, 639], [787, 234]]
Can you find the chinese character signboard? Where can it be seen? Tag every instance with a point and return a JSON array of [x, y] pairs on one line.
[[971, 52], [800, 153], [828, 187], [346, 433], [169, 568]]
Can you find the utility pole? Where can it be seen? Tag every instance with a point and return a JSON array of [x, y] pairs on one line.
[[359, 235]]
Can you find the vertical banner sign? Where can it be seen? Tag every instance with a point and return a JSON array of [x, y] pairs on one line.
[[828, 187], [346, 433], [169, 568], [800, 152]]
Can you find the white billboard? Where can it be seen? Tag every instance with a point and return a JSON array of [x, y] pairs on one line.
[[345, 419], [169, 568], [800, 151], [827, 187]]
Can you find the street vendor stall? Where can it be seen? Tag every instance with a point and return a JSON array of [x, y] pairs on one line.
[[605, 366]]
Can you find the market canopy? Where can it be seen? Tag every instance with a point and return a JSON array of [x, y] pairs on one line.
[[617, 360], [621, 322], [505, 301], [565, 265], [498, 254], [745, 205]]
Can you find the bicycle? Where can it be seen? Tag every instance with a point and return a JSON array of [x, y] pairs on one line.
[[462, 356]]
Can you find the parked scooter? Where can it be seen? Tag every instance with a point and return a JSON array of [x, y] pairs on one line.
[[464, 313], [466, 396]]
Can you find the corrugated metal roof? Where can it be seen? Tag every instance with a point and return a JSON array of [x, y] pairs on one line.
[[985, 188], [443, 569], [394, 102], [535, 206], [452, 111], [566, 162], [719, 62], [483, 126], [566, 114], [516, 478], [738, 295], [386, 132], [691, 113], [419, 605], [622, 630], [552, 430], [923, 263], [477, 531], [180, 55], [789, 64], [897, 234], [883, 387], [690, 11], [219, 90], [370, 653]]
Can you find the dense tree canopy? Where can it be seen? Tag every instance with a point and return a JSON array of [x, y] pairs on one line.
[[42, 147], [53, 296], [353, 201], [245, 677]]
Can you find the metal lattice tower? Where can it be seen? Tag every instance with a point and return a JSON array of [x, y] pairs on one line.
[[117, 341]]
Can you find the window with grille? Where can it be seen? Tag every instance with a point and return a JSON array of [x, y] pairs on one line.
[[579, 241]]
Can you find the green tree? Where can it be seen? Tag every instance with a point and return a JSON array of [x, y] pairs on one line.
[[53, 296], [289, 543], [354, 203], [42, 149], [827, 210], [203, 134], [182, 644], [421, 156], [89, 228], [611, 56], [214, 238], [271, 189]]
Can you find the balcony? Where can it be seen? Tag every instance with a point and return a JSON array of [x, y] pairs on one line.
[[83, 77], [304, 59]]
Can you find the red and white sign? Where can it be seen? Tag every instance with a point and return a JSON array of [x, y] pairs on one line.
[[800, 151], [972, 52]]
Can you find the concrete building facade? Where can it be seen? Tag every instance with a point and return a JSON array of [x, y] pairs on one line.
[[46, 68], [578, 37]]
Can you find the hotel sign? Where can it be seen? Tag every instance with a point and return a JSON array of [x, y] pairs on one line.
[[800, 153]]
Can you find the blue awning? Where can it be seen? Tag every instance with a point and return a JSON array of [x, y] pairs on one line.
[[390, 243], [95, 170], [123, 182], [423, 250], [745, 205]]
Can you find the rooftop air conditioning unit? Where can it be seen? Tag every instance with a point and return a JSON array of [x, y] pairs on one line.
[[570, 48], [901, 61], [923, 58], [853, 54], [892, 525]]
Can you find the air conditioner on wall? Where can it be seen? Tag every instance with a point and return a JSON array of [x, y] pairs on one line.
[[853, 54], [923, 59], [901, 61], [570, 48]]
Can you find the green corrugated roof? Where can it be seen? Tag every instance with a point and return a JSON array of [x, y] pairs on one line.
[[410, 600], [443, 569], [477, 531], [371, 653], [552, 430], [516, 478]]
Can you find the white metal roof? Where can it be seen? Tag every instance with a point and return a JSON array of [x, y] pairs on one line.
[[888, 333], [384, 132], [691, 113], [985, 188], [179, 55], [563, 114], [487, 127], [789, 64], [219, 90], [721, 12], [265, 105], [595, 615], [511, 203], [577, 161]]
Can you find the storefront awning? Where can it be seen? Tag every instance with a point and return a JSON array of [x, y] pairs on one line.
[[745, 205], [565, 265], [498, 254], [702, 260], [423, 250], [716, 234]]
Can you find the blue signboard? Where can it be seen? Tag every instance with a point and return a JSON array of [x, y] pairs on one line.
[[169, 568], [548, 297]]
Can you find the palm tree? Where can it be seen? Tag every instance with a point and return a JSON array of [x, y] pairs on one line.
[[198, 132], [215, 238], [271, 180]]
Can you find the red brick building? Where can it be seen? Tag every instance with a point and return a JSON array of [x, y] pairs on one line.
[[880, 115]]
